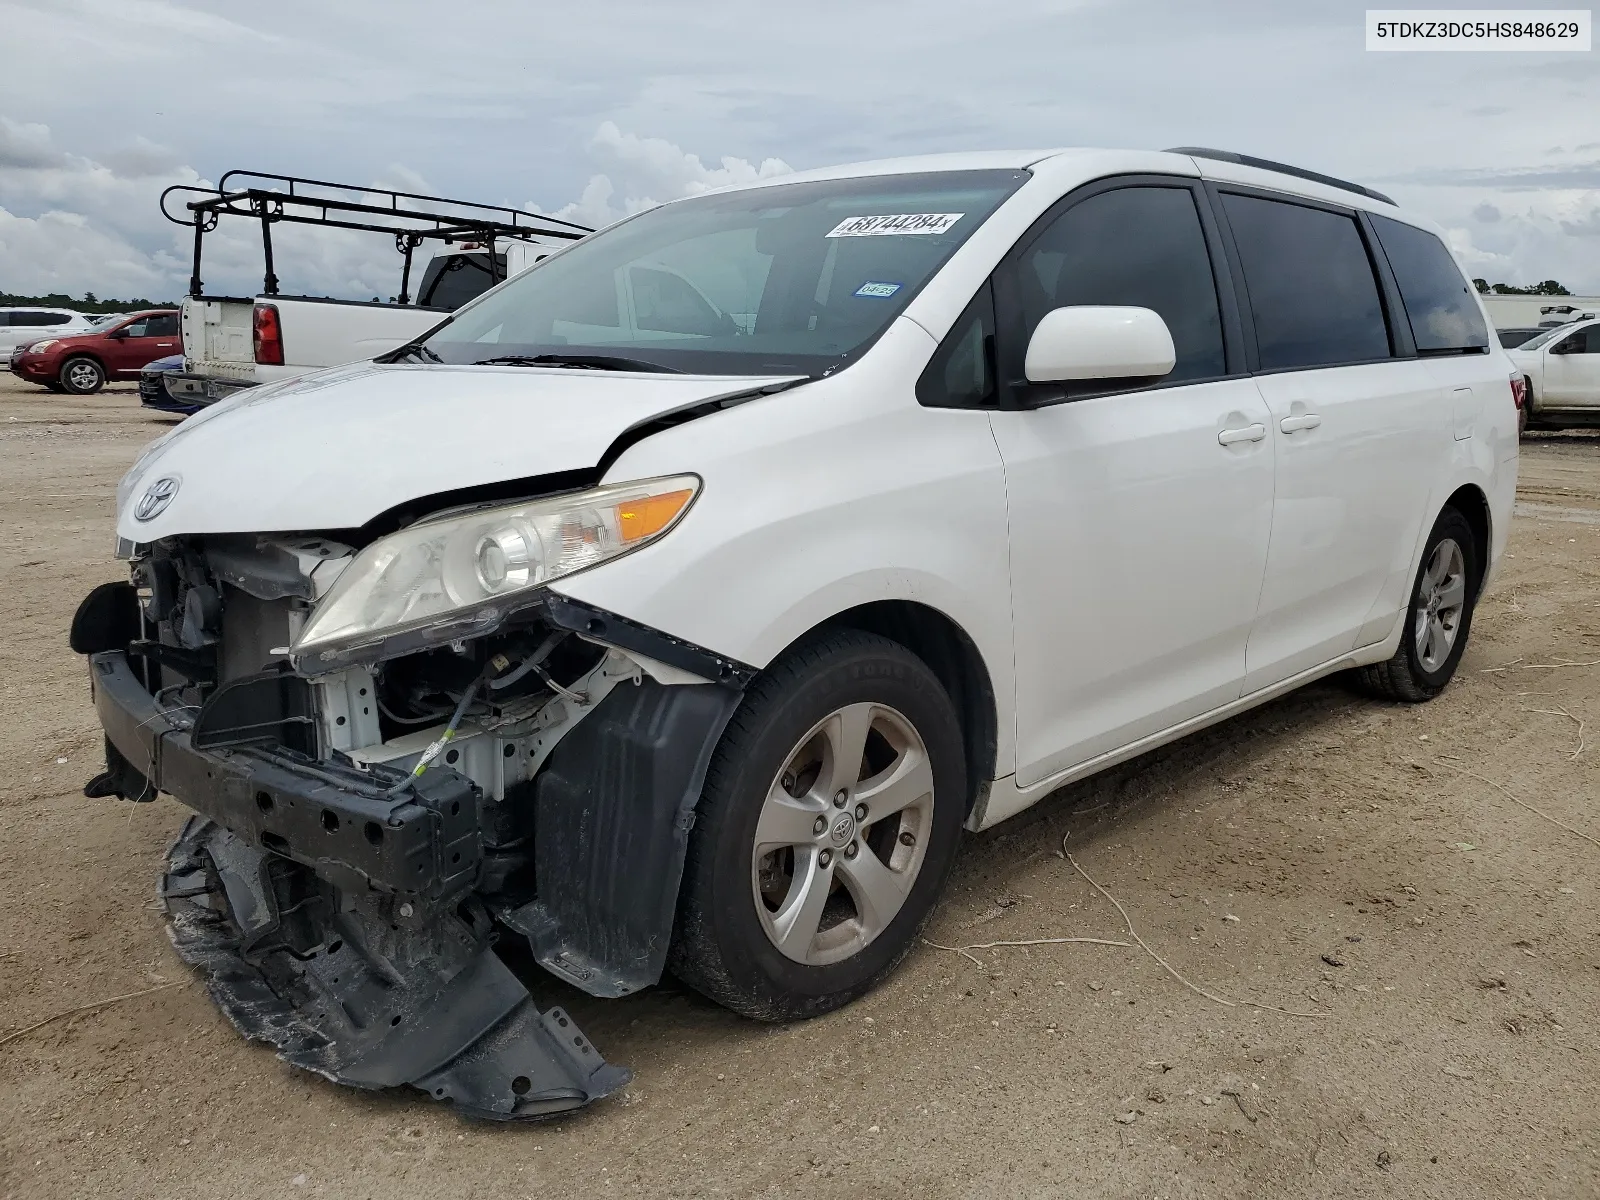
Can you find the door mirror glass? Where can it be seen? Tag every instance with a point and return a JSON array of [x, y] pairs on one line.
[[1099, 341]]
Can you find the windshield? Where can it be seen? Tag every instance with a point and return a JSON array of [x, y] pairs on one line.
[[1546, 337], [785, 279]]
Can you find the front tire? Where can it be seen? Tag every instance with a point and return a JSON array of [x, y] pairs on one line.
[[828, 824], [1438, 619], [82, 376]]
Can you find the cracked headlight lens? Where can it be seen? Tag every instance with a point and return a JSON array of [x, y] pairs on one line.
[[459, 575]]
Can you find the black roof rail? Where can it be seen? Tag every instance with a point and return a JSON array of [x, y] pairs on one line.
[[409, 217], [1266, 164]]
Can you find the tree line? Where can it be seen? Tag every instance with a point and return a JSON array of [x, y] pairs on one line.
[[89, 304]]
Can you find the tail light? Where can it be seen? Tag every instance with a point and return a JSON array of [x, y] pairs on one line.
[[1519, 392], [268, 335]]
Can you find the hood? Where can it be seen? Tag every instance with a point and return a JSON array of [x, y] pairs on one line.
[[335, 449]]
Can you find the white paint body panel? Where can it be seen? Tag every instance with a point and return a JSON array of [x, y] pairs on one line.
[[1129, 568], [335, 449], [1561, 380]]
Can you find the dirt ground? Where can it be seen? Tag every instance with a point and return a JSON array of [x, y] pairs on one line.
[[1326, 854]]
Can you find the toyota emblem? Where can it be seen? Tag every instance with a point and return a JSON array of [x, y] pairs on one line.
[[156, 498]]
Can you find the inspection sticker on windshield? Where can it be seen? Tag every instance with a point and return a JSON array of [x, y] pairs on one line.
[[878, 289], [894, 223]]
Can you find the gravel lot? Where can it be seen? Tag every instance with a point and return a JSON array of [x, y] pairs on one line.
[[1327, 854]]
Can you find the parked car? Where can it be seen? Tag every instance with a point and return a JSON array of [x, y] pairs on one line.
[[232, 343], [1560, 370], [153, 387], [19, 325], [81, 363], [1511, 338], [658, 626]]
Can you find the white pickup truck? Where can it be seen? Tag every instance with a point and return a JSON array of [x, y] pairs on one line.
[[232, 342]]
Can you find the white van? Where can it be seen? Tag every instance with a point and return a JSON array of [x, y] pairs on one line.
[[681, 600]]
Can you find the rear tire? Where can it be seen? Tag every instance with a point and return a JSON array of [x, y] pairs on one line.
[[795, 902], [1438, 619], [82, 376]]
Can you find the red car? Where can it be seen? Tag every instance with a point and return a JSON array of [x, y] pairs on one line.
[[83, 362]]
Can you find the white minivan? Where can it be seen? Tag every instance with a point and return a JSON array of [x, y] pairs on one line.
[[677, 603]]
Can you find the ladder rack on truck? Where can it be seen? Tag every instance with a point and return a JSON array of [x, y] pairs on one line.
[[236, 342], [410, 226]]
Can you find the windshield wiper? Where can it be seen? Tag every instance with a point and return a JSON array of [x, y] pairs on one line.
[[409, 350], [584, 362]]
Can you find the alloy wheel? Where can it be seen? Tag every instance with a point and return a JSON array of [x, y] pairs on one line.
[[1441, 601], [82, 376], [842, 834]]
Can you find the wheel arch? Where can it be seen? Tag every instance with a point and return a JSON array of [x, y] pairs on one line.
[[1470, 501], [952, 655], [70, 355]]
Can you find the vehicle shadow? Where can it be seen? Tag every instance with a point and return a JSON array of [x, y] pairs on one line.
[[654, 1026]]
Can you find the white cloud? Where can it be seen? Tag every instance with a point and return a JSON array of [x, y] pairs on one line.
[[74, 224], [651, 171]]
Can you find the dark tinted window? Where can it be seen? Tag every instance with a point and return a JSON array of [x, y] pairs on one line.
[[163, 326], [1312, 291], [1140, 246], [961, 373], [1512, 338], [461, 277], [40, 319], [1439, 302], [1585, 341]]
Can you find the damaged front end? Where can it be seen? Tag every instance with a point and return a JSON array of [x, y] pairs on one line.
[[373, 822]]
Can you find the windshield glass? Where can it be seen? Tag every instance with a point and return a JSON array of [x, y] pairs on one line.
[[786, 279], [1544, 338]]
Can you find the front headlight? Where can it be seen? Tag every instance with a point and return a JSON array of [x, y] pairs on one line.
[[36, 347], [459, 576]]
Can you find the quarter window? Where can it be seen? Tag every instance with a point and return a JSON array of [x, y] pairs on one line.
[[961, 373], [1138, 246], [1444, 315], [1313, 296]]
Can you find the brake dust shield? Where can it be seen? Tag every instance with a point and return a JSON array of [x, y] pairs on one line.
[[370, 990]]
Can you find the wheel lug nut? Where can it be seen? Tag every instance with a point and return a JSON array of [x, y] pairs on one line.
[[839, 798], [908, 838], [861, 812], [851, 850], [824, 858], [819, 825]]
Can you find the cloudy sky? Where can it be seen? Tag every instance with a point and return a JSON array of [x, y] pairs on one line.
[[597, 109]]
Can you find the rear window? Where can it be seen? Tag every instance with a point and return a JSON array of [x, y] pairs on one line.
[[453, 280], [1312, 292], [1443, 312]]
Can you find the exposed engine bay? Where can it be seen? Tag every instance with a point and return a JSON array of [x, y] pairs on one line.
[[366, 835]]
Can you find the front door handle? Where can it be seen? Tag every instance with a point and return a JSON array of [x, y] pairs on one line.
[[1246, 433], [1303, 421]]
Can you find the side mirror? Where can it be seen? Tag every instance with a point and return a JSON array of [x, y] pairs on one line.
[[117, 335], [1097, 341]]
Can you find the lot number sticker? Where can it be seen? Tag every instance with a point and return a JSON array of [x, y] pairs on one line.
[[877, 289], [894, 223]]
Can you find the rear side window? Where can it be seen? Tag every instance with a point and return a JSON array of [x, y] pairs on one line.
[[1140, 246], [1313, 296], [40, 319], [1439, 303]]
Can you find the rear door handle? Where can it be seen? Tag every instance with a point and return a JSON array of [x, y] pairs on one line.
[[1304, 421], [1246, 433]]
